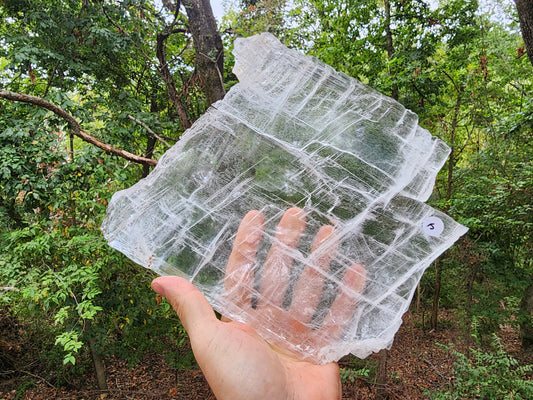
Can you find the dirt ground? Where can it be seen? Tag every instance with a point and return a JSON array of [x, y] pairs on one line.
[[415, 364]]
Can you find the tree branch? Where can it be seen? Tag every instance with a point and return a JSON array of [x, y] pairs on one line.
[[457, 88], [9, 289], [147, 128], [172, 91], [75, 127]]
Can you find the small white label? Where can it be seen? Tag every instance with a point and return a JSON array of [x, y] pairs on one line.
[[432, 226]]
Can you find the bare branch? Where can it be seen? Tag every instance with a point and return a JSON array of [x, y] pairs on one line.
[[122, 30], [172, 91], [9, 289], [75, 127], [457, 88], [147, 128]]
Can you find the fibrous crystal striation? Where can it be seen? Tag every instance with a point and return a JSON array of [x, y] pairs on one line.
[[295, 132]]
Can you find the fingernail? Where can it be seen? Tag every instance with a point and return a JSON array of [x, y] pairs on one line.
[[158, 287]]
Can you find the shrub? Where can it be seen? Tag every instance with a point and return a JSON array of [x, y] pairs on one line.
[[490, 375]]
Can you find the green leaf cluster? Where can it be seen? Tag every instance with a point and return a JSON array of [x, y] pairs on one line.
[[491, 375]]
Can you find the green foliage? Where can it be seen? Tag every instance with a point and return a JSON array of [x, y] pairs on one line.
[[353, 368], [495, 201], [491, 375], [103, 58], [57, 277], [97, 61], [67, 277], [484, 113], [29, 150], [351, 375], [260, 16], [390, 53], [136, 320], [55, 256]]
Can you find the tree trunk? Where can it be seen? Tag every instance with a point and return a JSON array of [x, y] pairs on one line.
[[172, 91], [151, 140], [449, 192], [525, 15], [71, 148], [209, 48], [526, 308], [418, 294], [390, 49], [470, 287], [451, 158], [98, 366], [98, 363], [381, 375], [436, 295]]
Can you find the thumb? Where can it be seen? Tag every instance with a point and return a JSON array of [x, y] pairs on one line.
[[193, 309]]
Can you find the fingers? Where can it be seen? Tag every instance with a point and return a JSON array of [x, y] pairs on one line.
[[308, 289], [355, 278], [346, 301], [193, 309], [239, 278], [276, 270], [275, 275]]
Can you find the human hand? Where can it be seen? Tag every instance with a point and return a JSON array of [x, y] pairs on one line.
[[236, 361]]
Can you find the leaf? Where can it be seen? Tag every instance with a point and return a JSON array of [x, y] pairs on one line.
[[69, 359]]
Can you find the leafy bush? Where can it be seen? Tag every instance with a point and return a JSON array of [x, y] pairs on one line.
[[492, 375], [351, 375], [65, 284], [353, 368]]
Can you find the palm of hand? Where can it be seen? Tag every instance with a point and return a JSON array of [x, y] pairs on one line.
[[236, 361]]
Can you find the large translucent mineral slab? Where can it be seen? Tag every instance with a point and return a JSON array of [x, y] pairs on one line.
[[294, 135]]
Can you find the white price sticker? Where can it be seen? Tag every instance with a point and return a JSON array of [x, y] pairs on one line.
[[432, 226]]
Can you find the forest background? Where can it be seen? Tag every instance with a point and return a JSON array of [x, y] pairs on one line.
[[93, 92]]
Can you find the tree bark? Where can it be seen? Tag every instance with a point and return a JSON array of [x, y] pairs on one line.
[[99, 367], [525, 15], [452, 157], [390, 49], [381, 375], [209, 49], [436, 295], [151, 137], [150, 146], [172, 91], [470, 286], [75, 127]]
